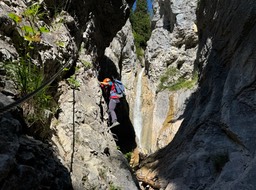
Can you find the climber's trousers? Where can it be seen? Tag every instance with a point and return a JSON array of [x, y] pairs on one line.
[[111, 109]]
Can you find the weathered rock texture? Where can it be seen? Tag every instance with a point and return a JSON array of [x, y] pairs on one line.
[[27, 163], [79, 32], [215, 146], [84, 141], [169, 56], [173, 42], [93, 154], [120, 63], [122, 53]]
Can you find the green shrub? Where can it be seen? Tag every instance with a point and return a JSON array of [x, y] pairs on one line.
[[27, 78], [73, 82], [139, 52], [31, 32], [60, 44], [180, 83], [128, 156]]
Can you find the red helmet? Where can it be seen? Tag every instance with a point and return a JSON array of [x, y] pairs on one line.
[[106, 80]]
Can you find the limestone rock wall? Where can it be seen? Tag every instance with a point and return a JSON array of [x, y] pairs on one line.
[[92, 154], [84, 152], [83, 139], [174, 40], [169, 56], [122, 53], [214, 148], [27, 163], [120, 63]]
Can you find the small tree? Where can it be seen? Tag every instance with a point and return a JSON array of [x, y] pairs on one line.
[[140, 20]]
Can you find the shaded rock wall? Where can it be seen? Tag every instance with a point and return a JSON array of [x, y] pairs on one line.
[[27, 163], [214, 147], [96, 22], [121, 63], [79, 31], [93, 155]]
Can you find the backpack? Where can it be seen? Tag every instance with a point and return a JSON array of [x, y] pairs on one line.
[[120, 90]]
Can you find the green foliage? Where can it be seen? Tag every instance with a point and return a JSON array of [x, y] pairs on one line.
[[24, 75], [16, 18], [103, 173], [32, 11], [139, 52], [31, 32], [87, 64], [43, 29], [113, 187], [128, 156], [60, 44], [27, 78], [28, 30], [180, 83], [171, 72], [140, 20], [73, 82]]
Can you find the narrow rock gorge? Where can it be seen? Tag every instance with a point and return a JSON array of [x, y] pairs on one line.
[[186, 122]]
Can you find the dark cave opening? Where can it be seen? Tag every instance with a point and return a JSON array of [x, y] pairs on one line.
[[124, 133]]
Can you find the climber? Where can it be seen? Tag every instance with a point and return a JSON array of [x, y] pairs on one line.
[[109, 89]]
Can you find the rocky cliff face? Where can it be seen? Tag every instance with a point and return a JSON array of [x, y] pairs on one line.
[[214, 147], [82, 151], [169, 62], [27, 163], [122, 53]]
